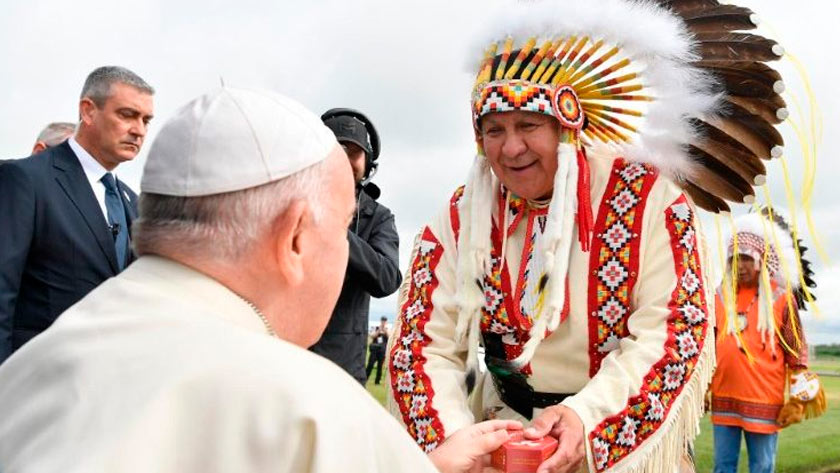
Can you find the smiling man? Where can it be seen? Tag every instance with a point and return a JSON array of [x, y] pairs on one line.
[[66, 216]]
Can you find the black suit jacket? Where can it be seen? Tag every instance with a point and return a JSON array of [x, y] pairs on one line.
[[55, 244]]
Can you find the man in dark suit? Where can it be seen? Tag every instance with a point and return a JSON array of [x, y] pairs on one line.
[[64, 217]]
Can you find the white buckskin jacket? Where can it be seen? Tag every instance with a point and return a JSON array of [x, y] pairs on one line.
[[634, 349]]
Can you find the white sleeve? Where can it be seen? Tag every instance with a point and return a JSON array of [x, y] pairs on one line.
[[427, 388]]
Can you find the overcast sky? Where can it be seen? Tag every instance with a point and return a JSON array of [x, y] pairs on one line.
[[401, 63]]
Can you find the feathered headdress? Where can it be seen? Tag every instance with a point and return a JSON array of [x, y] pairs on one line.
[[765, 236], [645, 75], [625, 68]]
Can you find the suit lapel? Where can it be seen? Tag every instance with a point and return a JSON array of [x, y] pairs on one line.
[[72, 179]]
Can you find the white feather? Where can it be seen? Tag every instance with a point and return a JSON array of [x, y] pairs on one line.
[[473, 244]]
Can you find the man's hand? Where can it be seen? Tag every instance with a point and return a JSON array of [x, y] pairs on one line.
[[563, 424], [466, 451]]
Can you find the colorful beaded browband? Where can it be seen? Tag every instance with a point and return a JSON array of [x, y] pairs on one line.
[[507, 96], [570, 79]]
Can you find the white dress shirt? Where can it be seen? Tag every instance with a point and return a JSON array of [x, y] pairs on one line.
[[93, 171]]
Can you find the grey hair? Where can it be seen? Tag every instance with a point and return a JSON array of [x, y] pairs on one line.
[[55, 133], [98, 83], [223, 227]]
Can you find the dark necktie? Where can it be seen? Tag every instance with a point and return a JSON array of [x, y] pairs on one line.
[[116, 219]]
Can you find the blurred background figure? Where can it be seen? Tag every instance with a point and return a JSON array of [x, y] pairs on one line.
[[373, 264], [52, 135], [378, 342], [760, 344]]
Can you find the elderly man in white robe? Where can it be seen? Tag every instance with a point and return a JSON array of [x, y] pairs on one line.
[[194, 359]]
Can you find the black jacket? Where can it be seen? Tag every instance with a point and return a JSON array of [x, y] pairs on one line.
[[372, 270], [55, 244]]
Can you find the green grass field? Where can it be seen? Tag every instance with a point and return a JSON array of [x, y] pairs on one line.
[[809, 447], [377, 391]]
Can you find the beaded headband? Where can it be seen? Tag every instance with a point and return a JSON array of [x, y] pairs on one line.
[[754, 246]]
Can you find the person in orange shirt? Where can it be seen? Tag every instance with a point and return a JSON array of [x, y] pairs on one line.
[[759, 343]]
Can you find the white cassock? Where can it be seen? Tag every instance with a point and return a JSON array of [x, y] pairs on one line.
[[163, 369]]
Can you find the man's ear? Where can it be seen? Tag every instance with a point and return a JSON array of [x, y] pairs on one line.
[[87, 109], [39, 146], [290, 237]]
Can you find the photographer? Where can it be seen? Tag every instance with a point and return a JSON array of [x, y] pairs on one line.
[[378, 344], [373, 266]]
